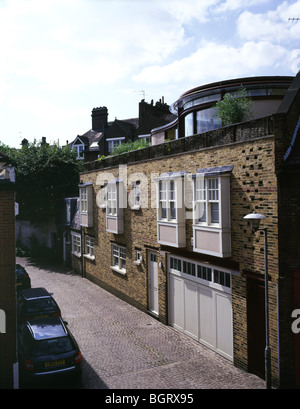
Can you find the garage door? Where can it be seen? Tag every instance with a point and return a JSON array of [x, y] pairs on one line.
[[200, 303]]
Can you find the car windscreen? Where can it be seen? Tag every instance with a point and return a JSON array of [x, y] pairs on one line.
[[52, 346], [36, 306]]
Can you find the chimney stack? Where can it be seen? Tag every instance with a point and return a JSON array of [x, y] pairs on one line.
[[99, 119]]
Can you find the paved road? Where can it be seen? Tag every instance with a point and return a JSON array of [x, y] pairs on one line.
[[124, 348]]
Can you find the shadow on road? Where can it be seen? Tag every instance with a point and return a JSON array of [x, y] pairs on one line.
[[45, 265]]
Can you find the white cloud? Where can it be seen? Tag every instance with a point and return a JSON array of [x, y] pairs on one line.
[[185, 11], [98, 44], [273, 25], [214, 61], [232, 5], [77, 53]]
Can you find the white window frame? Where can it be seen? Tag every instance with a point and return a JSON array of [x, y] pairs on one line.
[[112, 143], [89, 247], [79, 148], [146, 138], [211, 193], [83, 200], [136, 194], [118, 258], [111, 204], [171, 229], [207, 201], [103, 197], [68, 212], [76, 244], [114, 206], [167, 204], [86, 204], [138, 257]]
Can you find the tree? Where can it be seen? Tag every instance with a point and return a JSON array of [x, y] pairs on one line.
[[233, 109], [45, 174]]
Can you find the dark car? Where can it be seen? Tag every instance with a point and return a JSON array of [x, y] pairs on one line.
[[47, 351], [22, 278], [35, 303]]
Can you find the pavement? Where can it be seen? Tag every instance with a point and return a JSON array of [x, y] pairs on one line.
[[125, 348]]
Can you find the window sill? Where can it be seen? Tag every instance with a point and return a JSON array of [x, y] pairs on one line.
[[76, 254], [207, 226], [136, 207], [92, 258], [118, 270]]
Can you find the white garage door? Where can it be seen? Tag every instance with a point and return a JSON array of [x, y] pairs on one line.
[[200, 303]]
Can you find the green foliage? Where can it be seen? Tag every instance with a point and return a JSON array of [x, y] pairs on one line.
[[233, 109], [45, 174], [4, 148], [130, 146]]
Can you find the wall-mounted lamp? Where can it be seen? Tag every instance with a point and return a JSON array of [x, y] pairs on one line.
[[255, 219]]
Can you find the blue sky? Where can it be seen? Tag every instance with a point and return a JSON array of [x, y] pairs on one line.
[[59, 59]]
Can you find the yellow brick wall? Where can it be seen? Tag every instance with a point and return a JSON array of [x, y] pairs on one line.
[[253, 187]]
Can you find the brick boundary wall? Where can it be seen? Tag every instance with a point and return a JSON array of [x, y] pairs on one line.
[[7, 286]]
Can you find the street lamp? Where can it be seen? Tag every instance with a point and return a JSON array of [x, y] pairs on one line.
[[255, 219]]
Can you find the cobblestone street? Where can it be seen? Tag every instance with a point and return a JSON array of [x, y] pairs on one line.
[[124, 348]]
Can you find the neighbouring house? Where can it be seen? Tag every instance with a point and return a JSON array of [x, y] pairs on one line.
[[71, 228], [105, 136], [163, 227], [8, 348]]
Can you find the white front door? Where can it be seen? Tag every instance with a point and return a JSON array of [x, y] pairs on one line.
[[153, 284]]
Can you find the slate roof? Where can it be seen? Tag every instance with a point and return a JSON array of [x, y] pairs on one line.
[[153, 116], [120, 128]]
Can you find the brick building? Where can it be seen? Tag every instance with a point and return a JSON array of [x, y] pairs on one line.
[[8, 356], [163, 227], [106, 135]]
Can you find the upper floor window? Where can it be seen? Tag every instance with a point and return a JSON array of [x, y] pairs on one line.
[[207, 201], [86, 204], [201, 121], [68, 212], [189, 124], [206, 120], [136, 190], [112, 199], [145, 138], [102, 200], [211, 214], [79, 149], [167, 201], [83, 200], [112, 143], [78, 146], [115, 197], [171, 209]]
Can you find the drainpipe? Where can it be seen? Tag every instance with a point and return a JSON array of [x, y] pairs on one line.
[[82, 244]]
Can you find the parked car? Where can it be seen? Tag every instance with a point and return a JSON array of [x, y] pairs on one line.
[[22, 278], [35, 303], [47, 350]]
